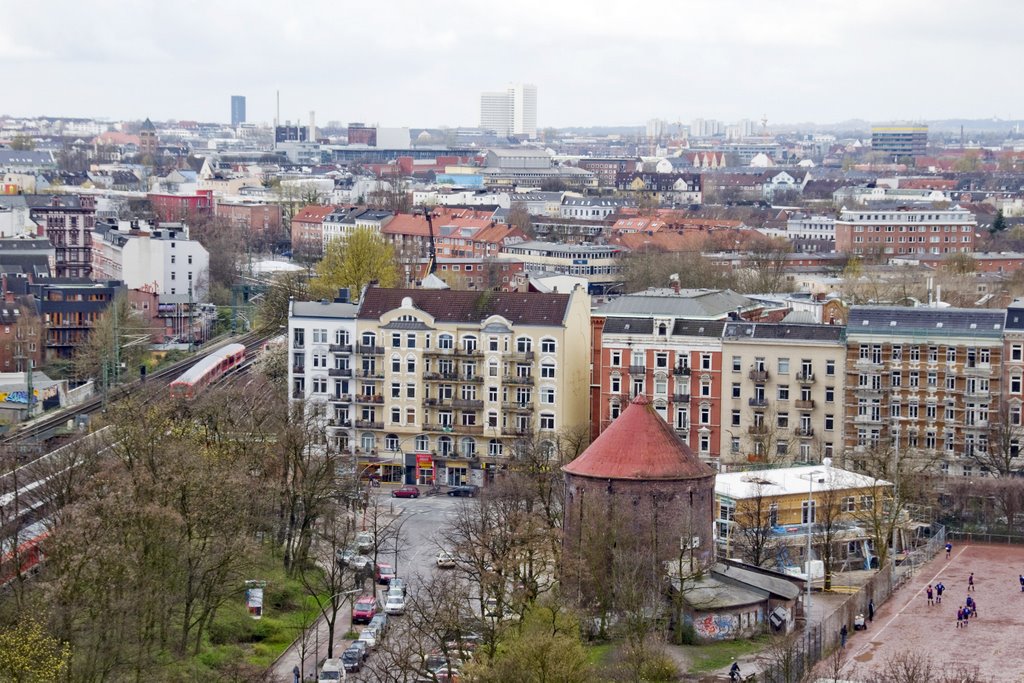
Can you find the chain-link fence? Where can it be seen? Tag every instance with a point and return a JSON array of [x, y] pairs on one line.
[[791, 659], [957, 536]]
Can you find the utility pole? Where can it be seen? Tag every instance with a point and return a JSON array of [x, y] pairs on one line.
[[191, 337], [28, 387]]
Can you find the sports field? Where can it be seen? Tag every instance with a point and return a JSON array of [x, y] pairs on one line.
[[993, 642]]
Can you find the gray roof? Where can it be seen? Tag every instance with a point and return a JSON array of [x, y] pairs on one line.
[[1015, 315], [629, 326], [758, 579], [709, 593], [926, 322], [706, 304], [17, 157], [784, 331], [323, 309], [697, 328], [557, 248]]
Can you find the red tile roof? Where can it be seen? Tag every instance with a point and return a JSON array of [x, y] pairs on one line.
[[638, 445], [313, 214], [519, 308]]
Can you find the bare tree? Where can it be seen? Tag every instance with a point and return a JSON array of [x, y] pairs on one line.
[[753, 534]]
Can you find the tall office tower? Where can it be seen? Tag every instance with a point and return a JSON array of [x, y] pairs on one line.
[[237, 110], [512, 112]]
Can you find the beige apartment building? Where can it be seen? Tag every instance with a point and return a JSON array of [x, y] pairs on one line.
[[782, 393], [447, 383]]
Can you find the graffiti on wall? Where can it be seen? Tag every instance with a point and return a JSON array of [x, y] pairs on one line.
[[18, 396], [716, 626]]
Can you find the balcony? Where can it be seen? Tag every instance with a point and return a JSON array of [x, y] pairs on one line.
[[758, 429], [758, 375], [439, 352], [298, 369], [637, 370], [681, 398], [339, 423], [804, 404], [370, 350], [467, 404], [340, 398], [366, 424], [681, 371], [522, 355], [298, 345], [370, 374], [682, 430], [436, 427], [757, 402], [340, 348], [340, 372], [441, 376], [476, 379], [517, 431], [298, 393], [365, 398], [868, 419], [979, 370], [521, 406], [805, 432], [805, 377], [516, 379]]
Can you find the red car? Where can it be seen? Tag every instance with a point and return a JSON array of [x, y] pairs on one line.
[[364, 610], [407, 491]]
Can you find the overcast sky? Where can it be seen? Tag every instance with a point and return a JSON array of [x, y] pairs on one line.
[[422, 63]]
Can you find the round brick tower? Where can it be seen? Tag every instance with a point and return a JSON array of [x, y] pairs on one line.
[[636, 494]]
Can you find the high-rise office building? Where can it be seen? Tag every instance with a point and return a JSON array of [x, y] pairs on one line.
[[510, 112], [237, 110], [900, 140]]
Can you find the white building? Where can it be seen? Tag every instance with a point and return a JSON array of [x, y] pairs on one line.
[[321, 344], [162, 259], [512, 112]]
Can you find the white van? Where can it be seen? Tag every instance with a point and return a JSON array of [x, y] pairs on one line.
[[331, 672]]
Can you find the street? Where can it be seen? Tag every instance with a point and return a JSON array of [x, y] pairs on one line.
[[420, 519]]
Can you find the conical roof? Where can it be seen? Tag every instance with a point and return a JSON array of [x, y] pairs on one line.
[[639, 444]]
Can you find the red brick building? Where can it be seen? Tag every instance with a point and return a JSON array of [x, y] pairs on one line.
[[181, 208], [884, 232], [259, 221], [307, 229]]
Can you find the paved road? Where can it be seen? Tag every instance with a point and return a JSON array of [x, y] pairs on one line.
[[421, 518]]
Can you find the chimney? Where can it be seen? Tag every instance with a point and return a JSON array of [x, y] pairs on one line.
[[343, 296], [312, 126], [673, 280]]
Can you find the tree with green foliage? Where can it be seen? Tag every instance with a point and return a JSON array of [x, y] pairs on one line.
[[544, 647], [355, 261], [30, 654], [999, 223], [23, 142]]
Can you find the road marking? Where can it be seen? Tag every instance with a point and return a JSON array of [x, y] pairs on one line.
[[919, 591]]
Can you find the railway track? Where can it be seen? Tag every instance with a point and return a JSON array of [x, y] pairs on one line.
[[38, 428]]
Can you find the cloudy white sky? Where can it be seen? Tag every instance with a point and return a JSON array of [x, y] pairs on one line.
[[424, 63]]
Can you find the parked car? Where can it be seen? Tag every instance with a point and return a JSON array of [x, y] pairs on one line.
[[407, 491], [361, 563], [369, 636], [379, 623], [347, 555], [330, 671], [395, 605], [352, 659], [445, 560], [397, 587], [465, 491], [360, 647], [364, 610], [385, 572], [364, 541]]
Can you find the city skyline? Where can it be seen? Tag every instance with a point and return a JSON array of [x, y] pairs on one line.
[[613, 67]]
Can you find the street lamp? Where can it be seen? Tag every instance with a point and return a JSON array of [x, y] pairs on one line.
[[810, 519]]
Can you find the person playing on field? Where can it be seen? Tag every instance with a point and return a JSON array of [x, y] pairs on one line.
[[928, 592], [949, 549], [938, 593], [960, 617], [970, 582]]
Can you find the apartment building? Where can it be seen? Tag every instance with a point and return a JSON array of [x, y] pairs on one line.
[[783, 396], [600, 264], [884, 232], [161, 259], [321, 354], [1012, 370], [307, 230], [343, 222], [446, 384], [925, 381], [67, 221], [667, 345]]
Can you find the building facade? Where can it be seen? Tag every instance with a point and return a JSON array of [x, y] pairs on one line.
[[923, 382], [237, 110], [900, 140], [782, 399], [447, 384], [159, 259], [67, 221], [900, 231], [511, 112]]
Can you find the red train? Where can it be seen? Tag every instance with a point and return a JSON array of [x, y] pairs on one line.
[[209, 369], [28, 554]]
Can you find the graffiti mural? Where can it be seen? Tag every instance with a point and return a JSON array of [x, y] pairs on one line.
[[18, 396], [716, 626]]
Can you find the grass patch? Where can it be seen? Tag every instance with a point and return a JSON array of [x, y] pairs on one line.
[[719, 655], [598, 655]]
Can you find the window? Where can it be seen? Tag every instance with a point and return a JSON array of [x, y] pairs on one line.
[[396, 340], [494, 448], [396, 415], [492, 344], [830, 421], [616, 384], [705, 415], [547, 370], [705, 361], [783, 392], [410, 340], [830, 394], [661, 360], [849, 504], [705, 388], [445, 341], [391, 442], [616, 359], [783, 366], [547, 345], [807, 512], [1017, 352], [547, 395], [735, 418], [410, 365], [524, 345], [783, 420], [830, 367], [396, 390], [410, 390], [737, 364], [547, 421], [735, 389]]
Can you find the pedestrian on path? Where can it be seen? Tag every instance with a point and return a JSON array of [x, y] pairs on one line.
[[938, 593], [843, 632], [960, 617], [928, 592], [949, 549], [970, 582], [871, 606]]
